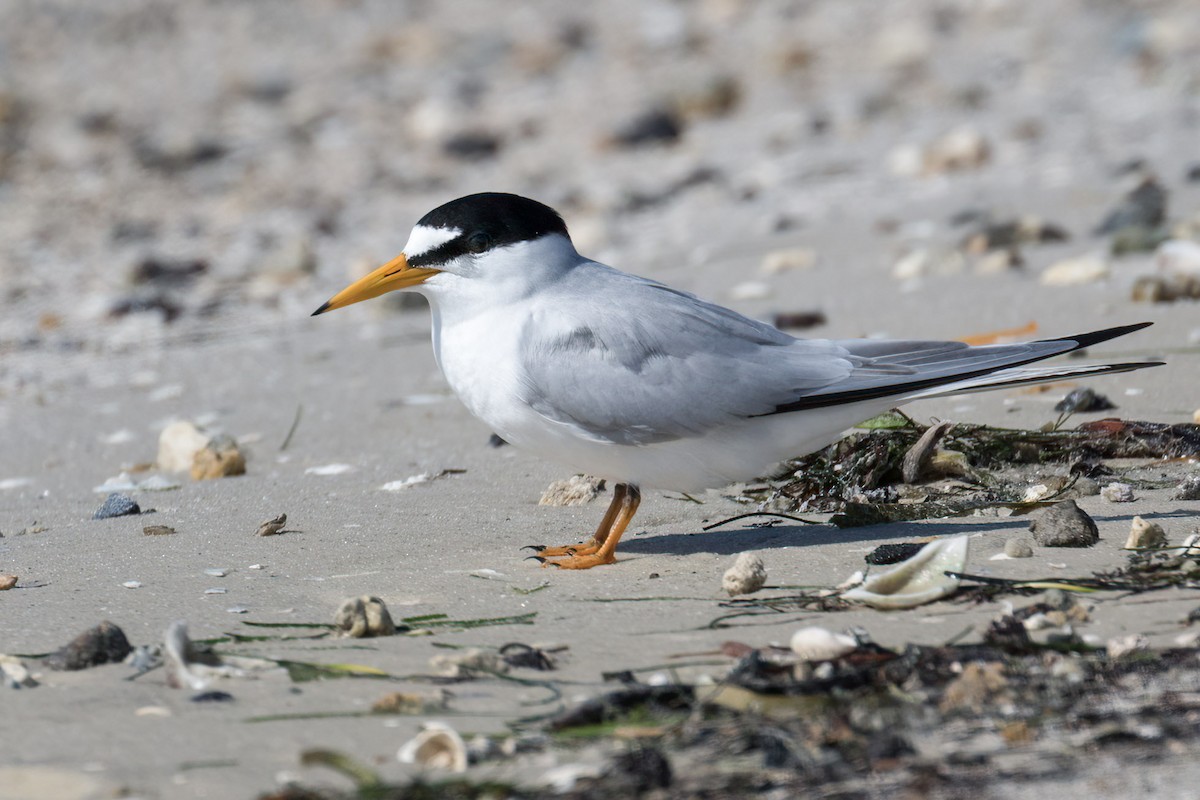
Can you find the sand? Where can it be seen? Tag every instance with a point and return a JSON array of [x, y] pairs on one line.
[[310, 188]]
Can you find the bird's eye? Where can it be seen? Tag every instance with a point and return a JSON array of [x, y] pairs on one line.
[[478, 242]]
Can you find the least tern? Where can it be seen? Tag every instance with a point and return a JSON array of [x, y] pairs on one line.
[[627, 379]]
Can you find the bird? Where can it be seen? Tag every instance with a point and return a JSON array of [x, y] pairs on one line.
[[627, 379]]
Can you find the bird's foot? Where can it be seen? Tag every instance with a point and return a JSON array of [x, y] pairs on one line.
[[579, 561], [590, 547]]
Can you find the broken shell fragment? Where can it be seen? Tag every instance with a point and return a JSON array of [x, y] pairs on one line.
[[436, 747], [747, 575], [820, 644], [7, 582], [1144, 534], [272, 527], [469, 663], [15, 673], [921, 579], [363, 617]]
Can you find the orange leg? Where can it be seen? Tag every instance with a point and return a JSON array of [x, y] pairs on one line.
[[602, 547]]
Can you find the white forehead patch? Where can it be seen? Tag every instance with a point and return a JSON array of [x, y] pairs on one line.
[[423, 239]]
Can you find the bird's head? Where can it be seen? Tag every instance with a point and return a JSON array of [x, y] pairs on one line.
[[477, 236]]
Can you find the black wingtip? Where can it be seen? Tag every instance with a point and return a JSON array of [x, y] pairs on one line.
[[324, 307], [1096, 337]]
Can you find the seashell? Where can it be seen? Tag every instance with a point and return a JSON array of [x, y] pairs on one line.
[[361, 617], [438, 747], [820, 644], [921, 579]]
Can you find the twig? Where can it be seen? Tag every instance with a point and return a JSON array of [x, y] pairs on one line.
[[292, 430], [719, 523]]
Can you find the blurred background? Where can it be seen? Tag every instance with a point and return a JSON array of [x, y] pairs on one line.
[[201, 170]]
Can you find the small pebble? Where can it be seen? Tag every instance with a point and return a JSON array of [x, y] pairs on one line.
[[216, 572], [219, 458], [1018, 548], [212, 697], [1126, 645], [363, 617], [132, 584], [1085, 399], [238, 609], [819, 644], [1076, 271], [177, 446], [272, 527], [216, 590], [893, 553], [747, 575], [117, 505], [1064, 524], [7, 582], [1116, 492]]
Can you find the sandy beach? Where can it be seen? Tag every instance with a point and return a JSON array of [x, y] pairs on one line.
[[182, 184]]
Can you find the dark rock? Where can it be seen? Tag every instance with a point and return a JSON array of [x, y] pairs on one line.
[[168, 272], [656, 126], [646, 767], [893, 553], [1064, 524], [103, 644], [1144, 207], [1084, 400], [472, 145], [799, 320], [117, 505], [212, 697], [1008, 634]]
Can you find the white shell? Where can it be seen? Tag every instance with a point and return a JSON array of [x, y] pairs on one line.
[[921, 579], [819, 644], [438, 746]]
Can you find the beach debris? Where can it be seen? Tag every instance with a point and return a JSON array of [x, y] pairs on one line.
[[1144, 534], [117, 505], [469, 663], [409, 703], [272, 526], [576, 490], [1117, 492], [195, 667], [924, 261], [788, 259], [1144, 207], [177, 446], [1082, 400], [438, 747], [1122, 646], [1188, 489], [980, 685], [747, 575], [917, 457], [524, 656], [893, 553], [659, 125], [750, 290], [472, 145], [821, 644], [15, 673], [1018, 548], [363, 617], [219, 458], [132, 584], [329, 469], [157, 530], [216, 572], [103, 644], [919, 580], [1178, 275], [1064, 524], [1003, 236], [124, 482], [1076, 271], [7, 582], [640, 770], [963, 148], [14, 483]]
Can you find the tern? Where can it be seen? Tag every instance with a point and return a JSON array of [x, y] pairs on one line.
[[627, 379]]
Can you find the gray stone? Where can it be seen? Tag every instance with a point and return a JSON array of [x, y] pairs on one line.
[[1064, 525]]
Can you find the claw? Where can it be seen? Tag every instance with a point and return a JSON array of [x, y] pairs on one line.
[[538, 559], [537, 548]]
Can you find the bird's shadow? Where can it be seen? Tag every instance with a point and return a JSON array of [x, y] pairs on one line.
[[738, 540]]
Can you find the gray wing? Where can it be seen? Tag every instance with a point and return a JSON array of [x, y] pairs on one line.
[[654, 364], [645, 363]]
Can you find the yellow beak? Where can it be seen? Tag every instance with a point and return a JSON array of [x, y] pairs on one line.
[[396, 274]]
